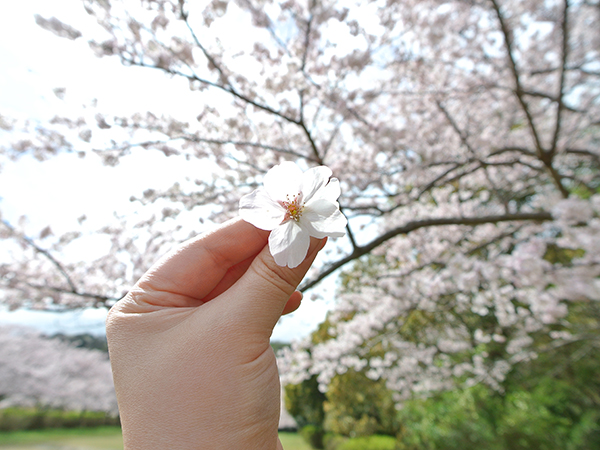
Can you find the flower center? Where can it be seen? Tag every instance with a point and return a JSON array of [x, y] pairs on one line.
[[294, 207]]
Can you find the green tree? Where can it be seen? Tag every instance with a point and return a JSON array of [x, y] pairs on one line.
[[359, 406], [305, 402]]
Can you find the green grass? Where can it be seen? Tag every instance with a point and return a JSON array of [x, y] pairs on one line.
[[103, 438], [293, 441]]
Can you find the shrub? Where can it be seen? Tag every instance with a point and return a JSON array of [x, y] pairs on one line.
[[313, 434], [14, 419], [304, 402], [332, 441], [17, 419], [358, 406]]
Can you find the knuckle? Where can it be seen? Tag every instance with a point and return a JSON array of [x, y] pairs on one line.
[[280, 278]]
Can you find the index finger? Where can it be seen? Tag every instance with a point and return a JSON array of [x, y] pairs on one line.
[[195, 268]]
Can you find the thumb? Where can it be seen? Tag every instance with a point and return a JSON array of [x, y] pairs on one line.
[[263, 291]]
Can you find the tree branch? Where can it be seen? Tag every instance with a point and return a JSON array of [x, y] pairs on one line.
[[100, 300], [417, 224], [45, 253], [184, 16], [248, 144], [584, 152], [228, 89], [522, 150], [552, 99], [561, 90], [465, 142], [508, 42], [306, 41], [543, 156]]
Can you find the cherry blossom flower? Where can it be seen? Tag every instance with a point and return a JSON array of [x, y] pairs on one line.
[[294, 206]]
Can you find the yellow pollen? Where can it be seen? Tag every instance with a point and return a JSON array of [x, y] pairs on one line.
[[294, 209]]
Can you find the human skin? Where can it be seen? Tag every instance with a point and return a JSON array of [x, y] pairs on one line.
[[189, 344]]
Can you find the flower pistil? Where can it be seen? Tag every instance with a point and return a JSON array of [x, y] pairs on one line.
[[294, 207]]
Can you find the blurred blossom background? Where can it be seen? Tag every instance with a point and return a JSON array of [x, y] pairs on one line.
[[461, 310]]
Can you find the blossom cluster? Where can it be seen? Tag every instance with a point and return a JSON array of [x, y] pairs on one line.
[[40, 371], [520, 292]]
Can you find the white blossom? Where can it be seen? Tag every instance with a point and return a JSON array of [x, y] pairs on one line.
[[294, 206]]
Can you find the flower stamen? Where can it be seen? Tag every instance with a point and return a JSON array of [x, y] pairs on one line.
[[293, 207]]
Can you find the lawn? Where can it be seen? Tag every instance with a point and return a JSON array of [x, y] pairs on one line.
[[293, 441], [105, 438]]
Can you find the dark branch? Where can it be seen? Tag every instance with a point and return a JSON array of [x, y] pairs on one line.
[[522, 150], [584, 152], [553, 99], [543, 156], [228, 89], [248, 144], [417, 224], [99, 300], [306, 42], [508, 42], [465, 142], [44, 253], [563, 68], [208, 56]]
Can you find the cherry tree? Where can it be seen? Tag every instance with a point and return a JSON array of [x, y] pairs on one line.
[[464, 135], [39, 371]]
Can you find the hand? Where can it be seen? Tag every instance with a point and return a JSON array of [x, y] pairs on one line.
[[189, 344]]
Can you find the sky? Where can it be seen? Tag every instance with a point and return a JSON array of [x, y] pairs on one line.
[[34, 62]]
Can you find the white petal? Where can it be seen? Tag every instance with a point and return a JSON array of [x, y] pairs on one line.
[[330, 192], [261, 210], [322, 218], [283, 179], [289, 244], [313, 180]]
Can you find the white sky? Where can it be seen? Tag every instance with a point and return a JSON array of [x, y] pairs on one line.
[[34, 62]]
